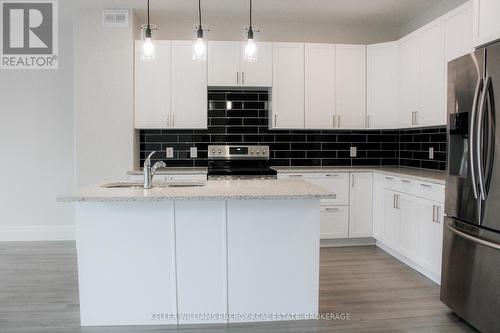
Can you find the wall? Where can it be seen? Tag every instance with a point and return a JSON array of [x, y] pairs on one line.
[[247, 123], [37, 147], [103, 98]]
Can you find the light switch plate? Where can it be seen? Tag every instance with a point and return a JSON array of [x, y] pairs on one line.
[[170, 152], [431, 153], [353, 152], [193, 152]]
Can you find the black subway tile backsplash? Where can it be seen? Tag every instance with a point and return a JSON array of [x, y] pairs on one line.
[[241, 117]]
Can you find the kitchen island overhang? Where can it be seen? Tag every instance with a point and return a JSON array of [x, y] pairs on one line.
[[230, 251]]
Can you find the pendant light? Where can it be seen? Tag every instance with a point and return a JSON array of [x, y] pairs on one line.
[[148, 48], [251, 48], [199, 46]]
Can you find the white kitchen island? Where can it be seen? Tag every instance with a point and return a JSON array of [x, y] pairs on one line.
[[230, 251]]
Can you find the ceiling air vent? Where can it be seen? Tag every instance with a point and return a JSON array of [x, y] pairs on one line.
[[115, 18]]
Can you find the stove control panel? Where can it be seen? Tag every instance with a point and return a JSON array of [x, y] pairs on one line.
[[238, 152]]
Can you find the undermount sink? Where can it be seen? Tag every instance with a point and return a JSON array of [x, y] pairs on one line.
[[155, 185]]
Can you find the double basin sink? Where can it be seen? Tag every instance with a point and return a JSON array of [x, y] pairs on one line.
[[137, 185]]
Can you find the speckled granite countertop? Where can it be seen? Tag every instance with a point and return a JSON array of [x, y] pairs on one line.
[[173, 171], [432, 176], [213, 190]]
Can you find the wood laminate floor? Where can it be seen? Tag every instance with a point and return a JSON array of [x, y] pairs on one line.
[[38, 293]]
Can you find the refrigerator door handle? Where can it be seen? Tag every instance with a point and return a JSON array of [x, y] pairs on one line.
[[472, 238], [471, 137], [479, 137], [490, 128]]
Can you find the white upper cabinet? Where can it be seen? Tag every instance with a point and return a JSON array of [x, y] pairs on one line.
[[432, 75], [227, 68], [288, 86], [361, 205], [319, 86], [189, 88], [259, 73], [458, 32], [152, 87], [486, 21], [409, 80], [350, 86], [224, 64], [382, 85]]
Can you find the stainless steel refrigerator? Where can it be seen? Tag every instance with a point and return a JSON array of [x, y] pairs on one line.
[[470, 282]]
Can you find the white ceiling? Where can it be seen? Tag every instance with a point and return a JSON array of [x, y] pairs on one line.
[[382, 17]]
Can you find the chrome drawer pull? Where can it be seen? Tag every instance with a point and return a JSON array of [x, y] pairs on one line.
[[425, 185], [389, 178], [296, 176], [331, 175], [405, 181], [332, 209]]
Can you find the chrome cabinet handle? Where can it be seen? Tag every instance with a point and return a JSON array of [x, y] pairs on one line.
[[353, 177], [414, 118], [472, 126], [394, 201], [242, 77], [295, 176], [433, 213], [368, 121], [173, 119], [331, 175], [425, 185], [332, 209], [389, 178], [275, 120], [333, 121], [405, 181], [237, 77], [338, 121]]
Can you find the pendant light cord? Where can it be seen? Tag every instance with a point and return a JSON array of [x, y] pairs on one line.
[[250, 14], [199, 11], [148, 16]]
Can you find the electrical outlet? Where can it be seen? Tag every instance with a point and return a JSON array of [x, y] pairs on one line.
[[353, 152], [431, 153], [193, 152], [170, 152]]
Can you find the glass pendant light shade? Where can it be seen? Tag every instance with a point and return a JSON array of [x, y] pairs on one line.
[[199, 46]]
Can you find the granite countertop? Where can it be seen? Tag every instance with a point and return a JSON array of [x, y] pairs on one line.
[[213, 190], [433, 176], [173, 171]]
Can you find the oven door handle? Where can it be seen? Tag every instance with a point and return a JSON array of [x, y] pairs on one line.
[[472, 238]]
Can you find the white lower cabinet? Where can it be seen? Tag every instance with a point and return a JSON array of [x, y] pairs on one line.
[[391, 217], [429, 235], [407, 206], [361, 205], [334, 222]]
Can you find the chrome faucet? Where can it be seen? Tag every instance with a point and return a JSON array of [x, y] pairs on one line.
[[149, 171]]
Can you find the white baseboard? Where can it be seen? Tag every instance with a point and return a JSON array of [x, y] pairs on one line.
[[339, 242], [408, 262], [37, 233]]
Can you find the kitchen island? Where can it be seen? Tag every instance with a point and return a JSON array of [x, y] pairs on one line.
[[229, 251]]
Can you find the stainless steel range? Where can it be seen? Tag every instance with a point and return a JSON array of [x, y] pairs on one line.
[[239, 162]]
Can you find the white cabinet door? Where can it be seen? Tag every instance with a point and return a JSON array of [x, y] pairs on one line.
[[382, 85], [409, 80], [432, 75], [288, 86], [319, 86], [458, 32], [259, 73], [392, 219], [486, 21], [361, 205], [189, 88], [430, 235], [224, 64], [407, 206], [335, 183], [350, 86], [378, 207], [152, 87], [334, 222]]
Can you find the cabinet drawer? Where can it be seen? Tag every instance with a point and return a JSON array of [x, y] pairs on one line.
[[430, 191], [334, 222]]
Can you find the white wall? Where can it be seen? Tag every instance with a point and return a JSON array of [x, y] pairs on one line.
[[103, 98], [36, 146]]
